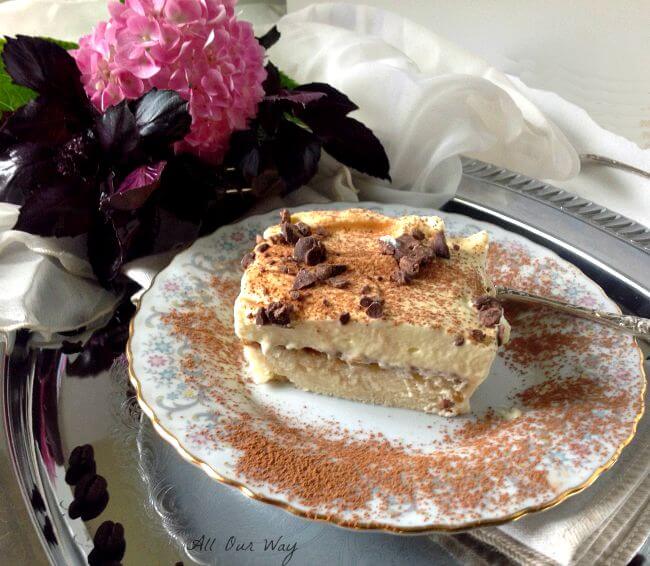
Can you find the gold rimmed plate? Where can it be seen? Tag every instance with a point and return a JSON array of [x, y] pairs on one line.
[[562, 401]]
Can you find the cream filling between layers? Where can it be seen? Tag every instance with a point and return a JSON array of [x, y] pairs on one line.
[[433, 392], [380, 342]]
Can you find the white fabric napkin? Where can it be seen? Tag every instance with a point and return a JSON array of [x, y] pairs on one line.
[[427, 100]]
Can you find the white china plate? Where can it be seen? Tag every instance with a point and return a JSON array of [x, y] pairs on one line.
[[561, 402]]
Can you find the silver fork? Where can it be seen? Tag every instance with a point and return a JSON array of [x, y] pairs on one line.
[[609, 162], [634, 325]]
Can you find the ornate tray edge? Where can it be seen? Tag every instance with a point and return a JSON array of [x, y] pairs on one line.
[[617, 225]]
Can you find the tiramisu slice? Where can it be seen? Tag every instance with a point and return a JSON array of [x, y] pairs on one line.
[[367, 307]]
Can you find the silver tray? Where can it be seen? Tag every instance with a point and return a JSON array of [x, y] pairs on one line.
[[170, 510]]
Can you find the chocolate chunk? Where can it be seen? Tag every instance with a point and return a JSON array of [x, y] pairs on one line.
[[399, 277], [456, 247], [81, 462], [366, 289], [261, 318], [262, 247], [338, 282], [303, 229], [303, 245], [440, 246], [279, 313], [247, 260], [486, 302], [478, 335], [385, 248], [375, 309], [409, 266], [501, 334], [309, 250], [295, 295], [380, 278], [304, 278], [289, 232], [321, 232], [315, 255], [459, 340], [365, 302], [490, 317], [418, 234], [329, 270], [344, 318], [285, 216]]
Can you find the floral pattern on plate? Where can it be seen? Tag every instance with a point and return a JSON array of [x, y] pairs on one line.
[[561, 402]]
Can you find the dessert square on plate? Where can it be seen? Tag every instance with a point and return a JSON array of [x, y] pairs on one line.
[[367, 307]]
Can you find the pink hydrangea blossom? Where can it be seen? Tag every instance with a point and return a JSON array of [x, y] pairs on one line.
[[195, 47]]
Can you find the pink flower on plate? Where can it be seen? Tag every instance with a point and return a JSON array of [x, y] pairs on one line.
[[195, 47]]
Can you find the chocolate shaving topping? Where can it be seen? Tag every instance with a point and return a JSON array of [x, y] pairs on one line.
[[375, 309], [289, 232], [304, 245], [303, 229], [326, 303], [263, 247], [418, 234], [490, 317], [338, 282], [440, 246], [247, 260], [344, 318], [285, 216], [304, 278], [459, 340], [365, 302], [385, 248], [328, 271], [456, 247], [261, 318], [478, 335], [409, 265], [486, 302], [315, 255], [279, 313], [399, 277]]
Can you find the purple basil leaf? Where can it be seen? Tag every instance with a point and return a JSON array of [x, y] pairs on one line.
[[273, 83], [62, 209], [296, 152], [105, 344], [334, 102], [109, 240], [24, 168], [353, 144], [136, 187], [162, 118], [45, 67], [244, 152], [117, 132], [270, 38], [44, 120]]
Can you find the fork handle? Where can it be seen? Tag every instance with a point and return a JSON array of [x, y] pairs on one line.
[[634, 325]]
